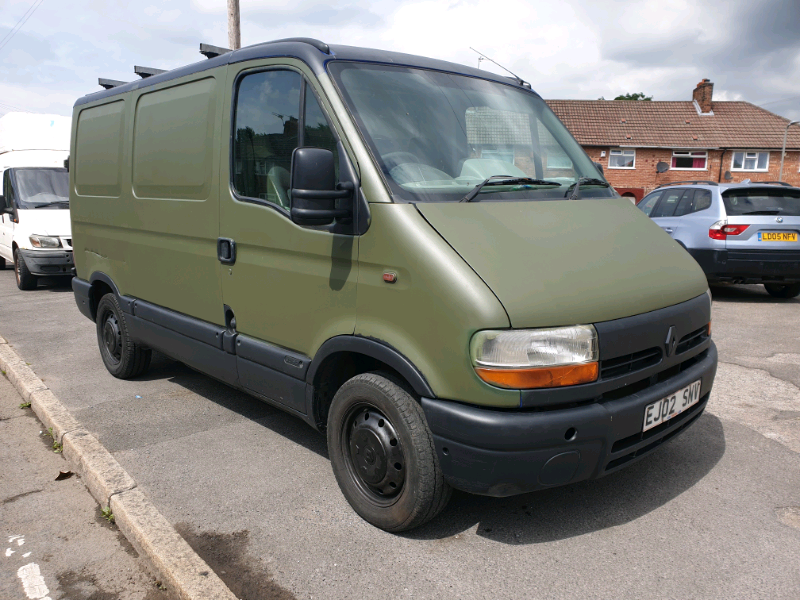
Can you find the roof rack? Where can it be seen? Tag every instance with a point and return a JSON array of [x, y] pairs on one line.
[[210, 51], [774, 183], [109, 83], [145, 72], [693, 182]]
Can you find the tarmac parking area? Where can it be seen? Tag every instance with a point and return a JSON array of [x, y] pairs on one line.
[[713, 514]]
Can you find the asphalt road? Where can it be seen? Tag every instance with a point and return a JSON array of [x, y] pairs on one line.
[[713, 514]]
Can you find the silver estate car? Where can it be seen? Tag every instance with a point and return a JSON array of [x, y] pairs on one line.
[[738, 233]]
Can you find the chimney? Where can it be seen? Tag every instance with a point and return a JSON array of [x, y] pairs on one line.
[[702, 95]]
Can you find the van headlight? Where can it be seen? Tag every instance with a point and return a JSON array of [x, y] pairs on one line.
[[44, 241], [536, 358]]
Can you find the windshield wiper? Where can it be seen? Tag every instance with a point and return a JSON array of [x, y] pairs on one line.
[[764, 212], [587, 180], [505, 180], [57, 203]]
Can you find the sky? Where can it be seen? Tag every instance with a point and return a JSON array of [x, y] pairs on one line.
[[574, 49]]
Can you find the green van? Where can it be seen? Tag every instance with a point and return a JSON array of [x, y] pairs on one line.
[[287, 219]]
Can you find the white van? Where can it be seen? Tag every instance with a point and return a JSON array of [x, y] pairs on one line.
[[35, 233]]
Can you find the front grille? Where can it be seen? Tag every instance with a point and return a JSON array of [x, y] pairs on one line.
[[643, 384], [629, 363], [692, 340], [682, 421]]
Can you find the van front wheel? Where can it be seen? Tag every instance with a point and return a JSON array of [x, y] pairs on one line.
[[25, 281], [122, 357], [382, 454]]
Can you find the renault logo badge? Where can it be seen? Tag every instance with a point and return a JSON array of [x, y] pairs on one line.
[[671, 342]]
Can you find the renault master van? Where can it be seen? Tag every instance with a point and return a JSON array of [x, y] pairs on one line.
[[412, 256], [35, 233]]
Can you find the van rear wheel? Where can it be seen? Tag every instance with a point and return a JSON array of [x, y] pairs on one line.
[[382, 454], [122, 357], [25, 281], [777, 290]]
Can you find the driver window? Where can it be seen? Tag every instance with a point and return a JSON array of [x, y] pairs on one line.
[[266, 134]]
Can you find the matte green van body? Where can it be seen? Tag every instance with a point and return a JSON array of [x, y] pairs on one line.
[[150, 195]]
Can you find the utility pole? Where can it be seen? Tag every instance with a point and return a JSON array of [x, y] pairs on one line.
[[783, 150], [234, 34]]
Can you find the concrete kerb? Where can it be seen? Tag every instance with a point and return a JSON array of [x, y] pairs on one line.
[[150, 533]]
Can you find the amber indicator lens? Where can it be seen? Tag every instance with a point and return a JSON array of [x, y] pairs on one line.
[[547, 377]]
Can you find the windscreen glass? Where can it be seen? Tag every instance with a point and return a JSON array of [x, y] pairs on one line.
[[42, 188], [763, 201], [438, 135]]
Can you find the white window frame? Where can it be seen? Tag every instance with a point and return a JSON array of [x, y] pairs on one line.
[[622, 152], [563, 167], [690, 154], [744, 158]]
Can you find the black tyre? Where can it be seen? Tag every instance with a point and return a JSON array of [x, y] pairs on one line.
[[25, 281], [2, 263], [777, 290], [382, 454], [123, 358]]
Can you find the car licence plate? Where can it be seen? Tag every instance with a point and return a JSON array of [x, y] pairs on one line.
[[663, 410], [777, 236]]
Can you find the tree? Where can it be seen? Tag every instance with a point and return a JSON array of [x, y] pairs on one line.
[[638, 96]]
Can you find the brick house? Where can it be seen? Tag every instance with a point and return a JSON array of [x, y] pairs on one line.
[[700, 139]]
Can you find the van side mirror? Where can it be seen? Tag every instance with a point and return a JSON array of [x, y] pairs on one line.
[[599, 167], [314, 190]]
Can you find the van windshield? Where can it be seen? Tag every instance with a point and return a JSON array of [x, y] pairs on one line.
[[42, 188], [436, 136]]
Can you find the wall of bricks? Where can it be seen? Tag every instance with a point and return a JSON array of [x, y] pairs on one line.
[[644, 178]]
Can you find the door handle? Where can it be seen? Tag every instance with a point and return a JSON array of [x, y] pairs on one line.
[[226, 251], [668, 229]]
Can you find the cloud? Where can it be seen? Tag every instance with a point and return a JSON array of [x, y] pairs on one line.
[[567, 49]]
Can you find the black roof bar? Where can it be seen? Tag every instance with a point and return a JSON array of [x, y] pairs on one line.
[[775, 183], [210, 51], [693, 182], [145, 72], [109, 83]]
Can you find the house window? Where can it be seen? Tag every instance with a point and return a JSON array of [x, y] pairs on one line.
[[558, 161], [684, 160], [622, 159], [750, 161], [498, 153]]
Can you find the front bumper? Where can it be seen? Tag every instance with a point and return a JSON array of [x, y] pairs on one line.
[[749, 266], [52, 263], [502, 453]]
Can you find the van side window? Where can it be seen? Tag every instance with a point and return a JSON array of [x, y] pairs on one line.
[[316, 130], [266, 133], [8, 191]]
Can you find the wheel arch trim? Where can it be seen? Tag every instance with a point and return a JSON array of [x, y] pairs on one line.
[[373, 349]]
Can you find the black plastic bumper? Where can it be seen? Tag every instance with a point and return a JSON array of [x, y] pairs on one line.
[[52, 263], [749, 266], [502, 453]]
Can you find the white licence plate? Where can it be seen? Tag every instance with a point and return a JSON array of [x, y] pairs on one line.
[[663, 410]]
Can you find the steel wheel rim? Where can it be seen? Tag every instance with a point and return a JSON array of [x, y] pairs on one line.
[[373, 454], [111, 336]]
